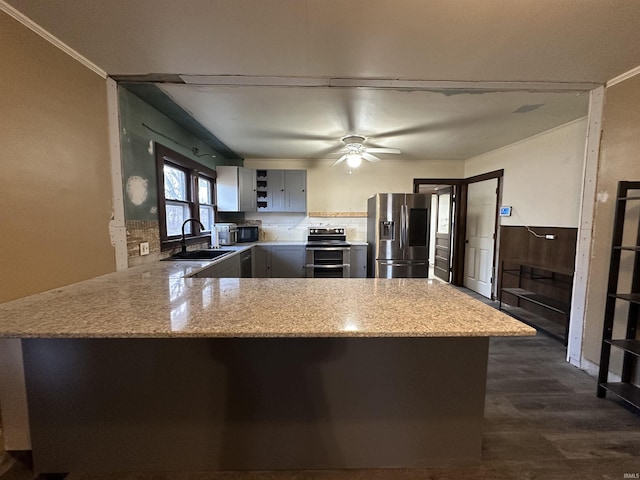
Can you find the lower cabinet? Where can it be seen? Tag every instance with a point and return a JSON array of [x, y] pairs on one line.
[[358, 259], [276, 261], [287, 261], [279, 261], [261, 262], [227, 268]]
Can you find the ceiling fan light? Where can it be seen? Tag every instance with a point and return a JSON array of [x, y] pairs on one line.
[[354, 160]]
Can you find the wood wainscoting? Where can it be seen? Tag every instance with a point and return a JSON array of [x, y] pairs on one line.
[[535, 276], [517, 243]]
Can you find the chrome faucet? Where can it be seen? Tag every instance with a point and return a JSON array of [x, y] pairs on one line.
[[183, 242]]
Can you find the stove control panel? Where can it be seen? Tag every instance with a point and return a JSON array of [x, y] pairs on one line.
[[327, 231]]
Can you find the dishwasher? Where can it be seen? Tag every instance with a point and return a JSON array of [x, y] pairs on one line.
[[245, 264]]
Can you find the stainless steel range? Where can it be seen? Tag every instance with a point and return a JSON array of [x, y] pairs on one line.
[[328, 253]]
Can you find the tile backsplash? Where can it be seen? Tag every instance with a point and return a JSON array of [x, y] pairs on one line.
[[273, 228], [293, 227], [139, 231]]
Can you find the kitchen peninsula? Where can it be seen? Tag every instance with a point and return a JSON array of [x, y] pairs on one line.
[[148, 370]]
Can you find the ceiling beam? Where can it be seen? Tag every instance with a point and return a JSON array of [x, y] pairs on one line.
[[384, 83]]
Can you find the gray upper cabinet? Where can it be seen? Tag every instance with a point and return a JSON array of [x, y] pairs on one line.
[[295, 190], [235, 189], [281, 190]]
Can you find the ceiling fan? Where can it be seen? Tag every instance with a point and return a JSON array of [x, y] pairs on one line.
[[355, 151]]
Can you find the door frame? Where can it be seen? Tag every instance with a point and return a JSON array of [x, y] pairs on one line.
[[436, 235], [457, 187], [459, 231]]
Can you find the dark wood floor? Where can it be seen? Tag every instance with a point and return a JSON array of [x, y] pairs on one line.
[[542, 421]]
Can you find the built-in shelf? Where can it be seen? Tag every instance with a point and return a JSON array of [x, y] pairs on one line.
[[524, 285], [542, 300], [551, 328], [614, 317]]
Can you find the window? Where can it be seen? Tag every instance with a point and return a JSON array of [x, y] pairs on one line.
[[205, 199], [186, 189]]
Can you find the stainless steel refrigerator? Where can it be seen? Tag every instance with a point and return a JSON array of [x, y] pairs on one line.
[[398, 235]]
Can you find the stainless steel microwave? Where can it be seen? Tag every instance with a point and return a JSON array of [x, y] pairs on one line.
[[248, 233]]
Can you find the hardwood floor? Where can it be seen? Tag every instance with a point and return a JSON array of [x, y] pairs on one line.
[[542, 421]]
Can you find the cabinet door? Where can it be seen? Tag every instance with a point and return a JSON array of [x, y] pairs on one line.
[[261, 262], [235, 189], [226, 268], [227, 188], [358, 261], [229, 268], [275, 191], [295, 188], [247, 189], [287, 261]]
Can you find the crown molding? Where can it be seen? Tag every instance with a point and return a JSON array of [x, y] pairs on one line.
[[30, 24], [625, 76]]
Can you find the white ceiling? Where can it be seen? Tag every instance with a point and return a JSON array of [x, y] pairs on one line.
[[555, 46], [277, 122]]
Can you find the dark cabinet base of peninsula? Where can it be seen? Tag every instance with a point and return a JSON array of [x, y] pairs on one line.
[[203, 404]]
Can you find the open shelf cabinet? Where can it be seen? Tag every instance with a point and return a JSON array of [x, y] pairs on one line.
[[626, 224], [537, 295]]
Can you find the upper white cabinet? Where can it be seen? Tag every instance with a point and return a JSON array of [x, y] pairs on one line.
[[235, 189], [281, 190]]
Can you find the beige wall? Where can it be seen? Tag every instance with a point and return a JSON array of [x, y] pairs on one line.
[[55, 186], [619, 160], [333, 189], [542, 176]]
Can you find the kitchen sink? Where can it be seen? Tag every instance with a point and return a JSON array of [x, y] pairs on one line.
[[199, 255]]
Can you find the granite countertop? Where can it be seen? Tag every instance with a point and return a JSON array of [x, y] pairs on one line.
[[156, 300]]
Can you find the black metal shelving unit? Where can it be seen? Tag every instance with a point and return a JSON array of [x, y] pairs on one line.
[[628, 197]]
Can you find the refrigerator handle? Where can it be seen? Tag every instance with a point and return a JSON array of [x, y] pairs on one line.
[[402, 227], [405, 233]]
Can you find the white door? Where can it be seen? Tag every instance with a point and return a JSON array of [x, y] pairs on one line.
[[481, 227]]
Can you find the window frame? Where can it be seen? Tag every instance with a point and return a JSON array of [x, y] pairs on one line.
[[211, 205], [193, 171]]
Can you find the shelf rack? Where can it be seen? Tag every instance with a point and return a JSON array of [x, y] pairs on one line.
[[541, 286], [261, 190], [629, 345]]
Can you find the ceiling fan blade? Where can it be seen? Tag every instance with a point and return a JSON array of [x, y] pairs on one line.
[[277, 134], [369, 157], [383, 150], [327, 152], [341, 159]]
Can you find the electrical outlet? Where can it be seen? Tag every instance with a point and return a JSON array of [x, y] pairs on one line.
[[144, 248]]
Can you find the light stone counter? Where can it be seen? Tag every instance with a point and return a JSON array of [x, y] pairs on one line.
[[158, 301], [270, 373]]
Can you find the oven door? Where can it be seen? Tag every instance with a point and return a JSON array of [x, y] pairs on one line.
[[328, 262]]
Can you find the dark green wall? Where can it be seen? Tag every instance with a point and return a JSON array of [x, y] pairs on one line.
[[138, 156]]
